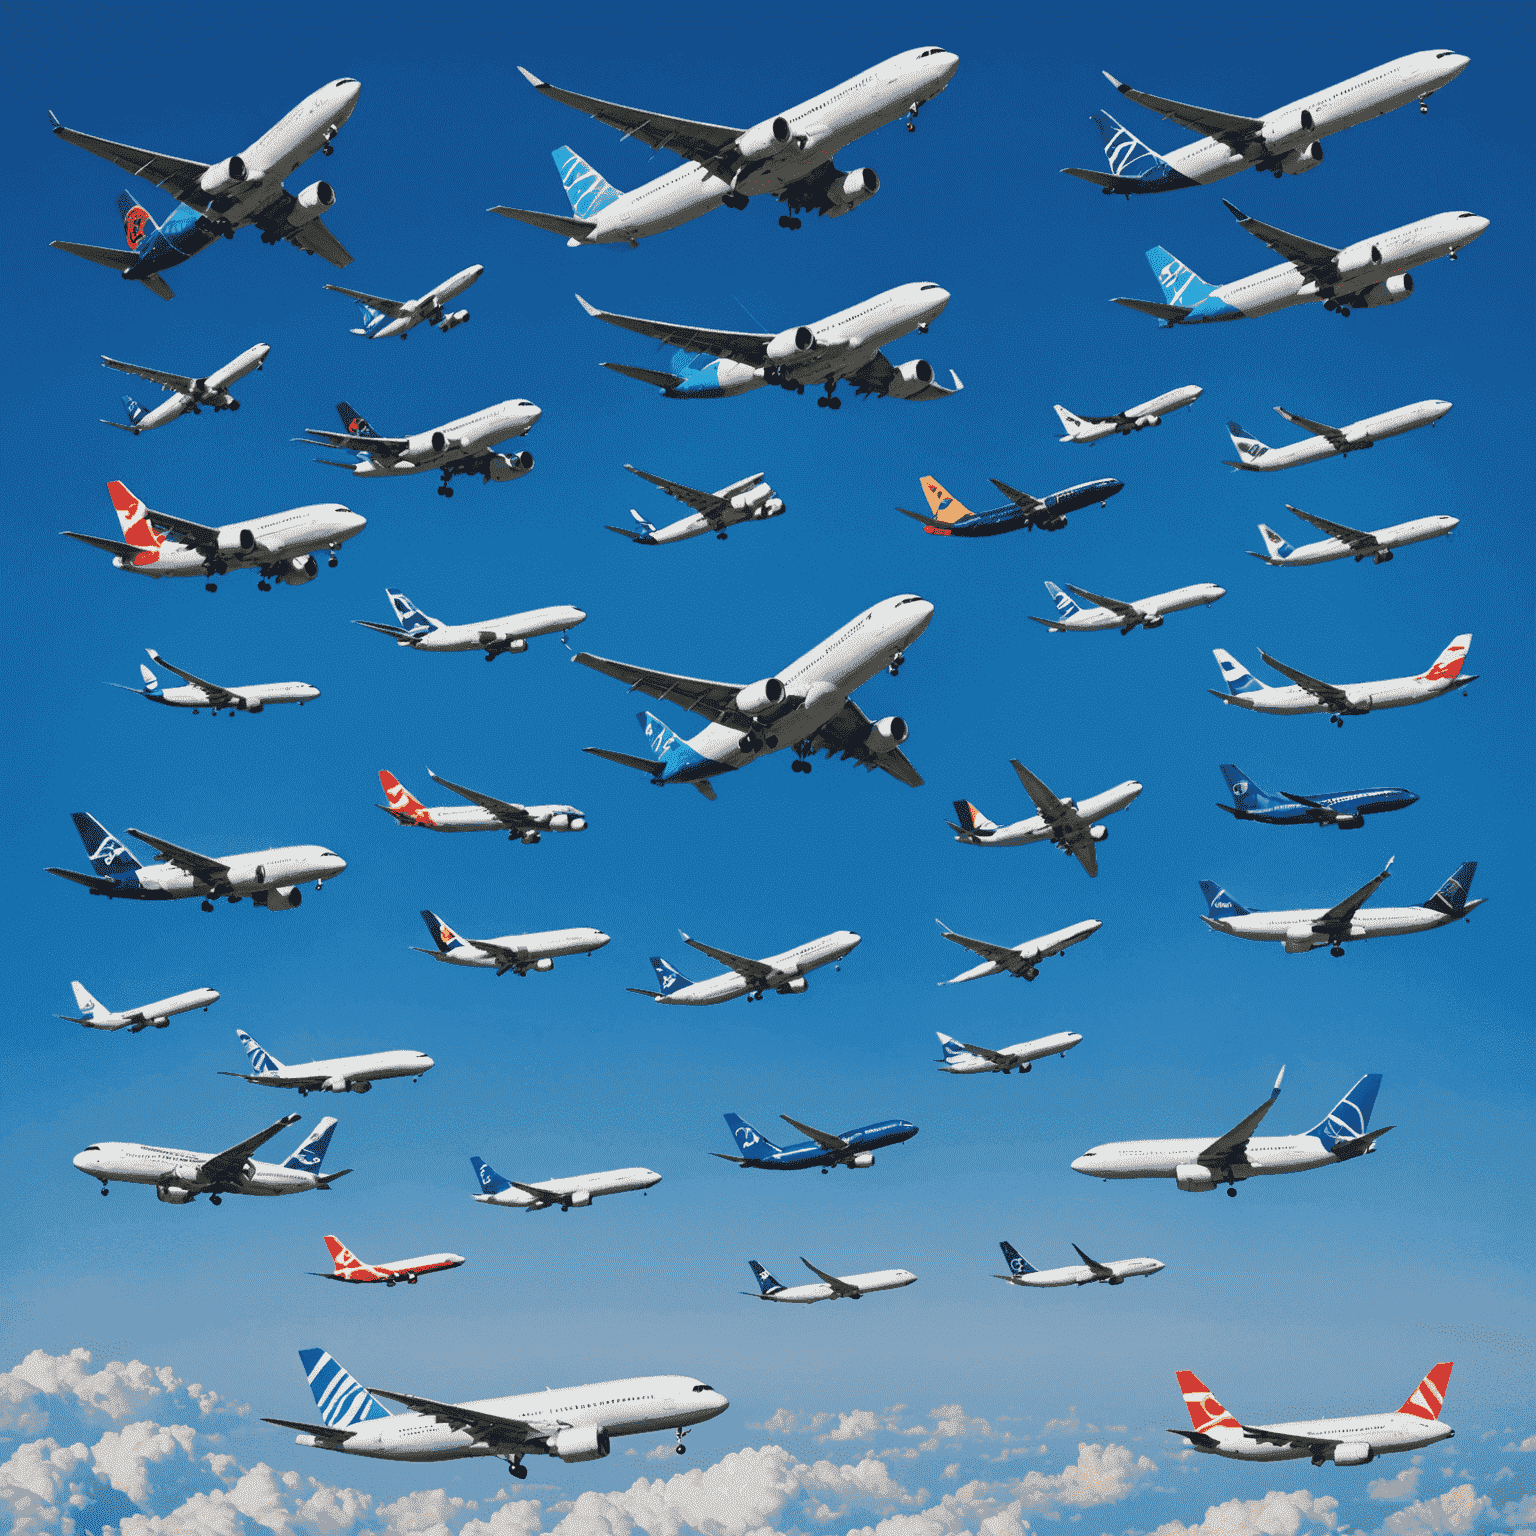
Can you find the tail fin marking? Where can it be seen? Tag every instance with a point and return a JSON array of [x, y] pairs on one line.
[[1449, 662], [750, 1141], [588, 192], [1128, 157], [1219, 903], [341, 1400], [1277, 547], [133, 518], [261, 1061], [1452, 896], [1247, 445], [1351, 1116], [107, 856], [944, 507], [400, 799], [1180, 284], [765, 1282], [1017, 1263], [341, 1255], [668, 977], [310, 1152], [1204, 1411], [412, 620], [353, 422], [88, 1004], [442, 935], [972, 820], [491, 1182], [1066, 605], [1237, 677], [1429, 1396], [137, 224]]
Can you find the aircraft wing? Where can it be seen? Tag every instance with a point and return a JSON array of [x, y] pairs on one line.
[[1341, 915], [876, 376], [711, 505], [315, 238], [225, 1165], [1326, 693], [1225, 126], [839, 1287], [393, 446], [751, 970], [1297, 1442], [510, 815], [198, 865], [491, 1427], [994, 952], [823, 1139], [221, 697], [1308, 255], [111, 546], [1099, 1270], [194, 535], [1231, 1147], [1021, 499], [1125, 610], [178, 177], [391, 307], [1064, 822], [321, 1431], [171, 382], [502, 952], [1335, 435], [847, 734], [90, 882], [715, 701], [748, 347], [995, 1057], [1354, 537], [547, 1195]]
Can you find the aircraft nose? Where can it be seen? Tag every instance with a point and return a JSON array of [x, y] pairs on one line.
[[82, 1161], [339, 862], [1079, 1165], [533, 414], [601, 937]]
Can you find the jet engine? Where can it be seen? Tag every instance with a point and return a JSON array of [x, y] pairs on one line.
[[458, 317], [887, 734], [1355, 1454], [1393, 291], [581, 1197], [794, 984], [174, 1194], [1194, 1176], [751, 500], [314, 200], [508, 466], [1117, 1280], [862, 1160], [578, 824], [161, 1023], [755, 698], [223, 178], [283, 897], [770, 508], [767, 139], [252, 706], [1356, 258], [1352, 822], [1098, 833], [1284, 131], [912, 378], [791, 344], [337, 1084], [1303, 159], [855, 188], [589, 1444], [426, 445], [1299, 938], [1146, 421], [546, 964], [298, 571]]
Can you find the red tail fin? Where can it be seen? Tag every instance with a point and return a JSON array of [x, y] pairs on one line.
[[1429, 1397], [341, 1255], [133, 518], [1204, 1410], [402, 803]]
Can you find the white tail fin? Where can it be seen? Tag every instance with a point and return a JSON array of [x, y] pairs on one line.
[[1449, 662], [1249, 449], [151, 682], [88, 1004], [1069, 422], [1277, 547]]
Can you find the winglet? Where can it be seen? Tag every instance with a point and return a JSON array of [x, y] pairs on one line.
[[1236, 212], [529, 76], [595, 313], [956, 377], [1119, 85], [1276, 1093], [57, 125]]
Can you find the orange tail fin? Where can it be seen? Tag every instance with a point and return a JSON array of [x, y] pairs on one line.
[[1204, 1410], [941, 504], [1429, 1396]]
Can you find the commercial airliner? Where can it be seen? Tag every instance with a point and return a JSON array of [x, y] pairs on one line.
[[1369, 274], [484, 813], [248, 698], [159, 1013], [1329, 442], [829, 1287], [1303, 929], [950, 518], [1345, 543], [496, 637], [1116, 613], [745, 501], [573, 1423], [579, 1190], [788, 157], [805, 708], [1346, 809], [1134, 418], [1089, 1272], [1309, 696], [386, 318], [518, 952], [341, 1074], [1350, 1442], [187, 394], [1201, 1162], [853, 1149], [961, 1060], [346, 1266], [1285, 141], [782, 973], [1022, 959]]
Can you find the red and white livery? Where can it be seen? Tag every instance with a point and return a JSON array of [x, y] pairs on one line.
[[354, 1271]]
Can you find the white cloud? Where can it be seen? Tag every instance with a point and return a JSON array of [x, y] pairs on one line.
[[971, 1508], [117, 1390], [35, 1482], [952, 1422], [1102, 1474], [521, 1518], [122, 1457], [1528, 1444], [858, 1425], [784, 1422], [1451, 1514], [1399, 1489], [1068, 1424], [1276, 1514]]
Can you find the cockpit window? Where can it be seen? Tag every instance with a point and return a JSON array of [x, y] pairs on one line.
[[906, 600], [1466, 215], [702, 1388], [1444, 55], [346, 80], [927, 287], [928, 53], [93, 1149]]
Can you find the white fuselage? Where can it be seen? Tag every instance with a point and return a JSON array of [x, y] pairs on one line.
[[1163, 1159], [1390, 693], [756, 504], [134, 1162], [475, 818], [581, 1190], [429, 306], [466, 437], [784, 969], [875, 1280], [212, 392], [964, 1064], [158, 1014], [1149, 610], [1135, 418], [262, 543], [1295, 928], [1381, 1432], [344, 1074], [264, 870], [1120, 1270], [538, 951], [1360, 434], [394, 1270], [251, 698], [1034, 829], [497, 633], [1395, 537], [1031, 952]]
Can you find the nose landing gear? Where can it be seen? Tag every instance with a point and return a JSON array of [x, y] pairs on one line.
[[788, 221], [897, 662]]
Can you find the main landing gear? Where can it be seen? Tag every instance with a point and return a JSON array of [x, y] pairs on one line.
[[680, 1447], [104, 1189], [207, 906], [445, 489], [1336, 308], [830, 399], [1232, 1192], [736, 200], [516, 1468], [722, 535], [912, 112], [788, 221], [1337, 951], [897, 662], [1337, 720], [215, 1200]]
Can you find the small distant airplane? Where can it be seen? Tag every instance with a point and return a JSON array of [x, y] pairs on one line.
[[853, 1149], [159, 1014], [1329, 442], [747, 501], [187, 394], [521, 823], [354, 1271], [579, 1190], [342, 1074], [1064, 822], [495, 637], [948, 517], [1304, 929], [1089, 1272], [383, 318], [962, 1060], [519, 952], [249, 698], [1308, 696], [1345, 809], [831, 1288], [1349, 543], [1150, 413], [1022, 959], [784, 973], [1113, 613]]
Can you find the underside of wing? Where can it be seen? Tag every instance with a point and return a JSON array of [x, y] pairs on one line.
[[90, 882], [998, 953], [839, 1287], [1232, 1146], [1021, 499], [1114, 605], [486, 1426], [548, 1195], [1297, 1442], [389, 446], [1046, 800], [226, 1164], [1225, 126], [391, 307], [315, 238], [1318, 428], [167, 381], [216, 695], [502, 952], [751, 970], [748, 347], [849, 734], [178, 177], [508, 813], [997, 1058], [823, 1139], [111, 546], [877, 376], [1326, 693], [198, 865], [1354, 537], [701, 501], [1309, 255], [1087, 855], [715, 701], [197, 535]]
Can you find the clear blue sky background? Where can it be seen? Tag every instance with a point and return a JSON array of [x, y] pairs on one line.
[[1329, 1293]]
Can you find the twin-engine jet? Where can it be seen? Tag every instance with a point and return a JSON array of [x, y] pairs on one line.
[[248, 698], [159, 1014], [1115, 613], [1309, 696], [788, 157], [830, 1287], [950, 518], [961, 1060], [1304, 929], [1346, 809], [747, 501], [1329, 442], [496, 637], [1285, 142], [1134, 418], [270, 877], [281, 546], [1089, 1272], [384, 318], [1201, 1163], [1070, 825], [806, 708], [853, 1149], [214, 200], [1345, 543], [341, 1074], [1350, 1442], [580, 1190], [519, 952], [187, 394], [1022, 959], [844, 346], [348, 1267], [485, 813], [783, 973]]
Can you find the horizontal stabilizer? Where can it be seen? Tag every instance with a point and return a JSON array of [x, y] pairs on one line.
[[624, 760], [922, 517], [555, 223], [92, 882], [102, 255], [647, 375], [1168, 312], [112, 546], [1126, 184], [324, 1431]]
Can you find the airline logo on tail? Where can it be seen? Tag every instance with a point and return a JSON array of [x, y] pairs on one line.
[[1125, 151], [589, 194], [1452, 896], [105, 853], [1349, 1118], [137, 224], [1064, 604], [941, 504], [373, 320], [412, 620], [1450, 661], [490, 1181], [401, 801], [1220, 903], [1205, 1412], [261, 1061], [442, 935], [765, 1281], [970, 819], [668, 977], [133, 519], [662, 738], [342, 1402], [1017, 1263], [1237, 677], [342, 1256], [1249, 447], [86, 1003], [311, 1151], [1277, 547], [1429, 1397]]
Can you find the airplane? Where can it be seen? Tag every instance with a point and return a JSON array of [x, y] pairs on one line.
[[1329, 442], [1345, 809], [853, 1149], [962, 1060], [383, 318], [826, 352], [1064, 822], [1351, 1442], [521, 823], [578, 1191], [1114, 613], [747, 501], [281, 546], [342, 1074], [458, 447], [1304, 929], [1308, 696], [353, 1270], [159, 1014], [186, 394], [214, 200], [1344, 542], [1150, 413], [270, 876], [948, 517], [788, 157], [495, 637], [573, 1423], [1089, 1272], [1022, 959], [783, 973], [1201, 1163], [1285, 142], [180, 1176], [806, 709], [249, 698], [830, 1288], [519, 952]]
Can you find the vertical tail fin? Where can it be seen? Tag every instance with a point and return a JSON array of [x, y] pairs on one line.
[[1180, 284], [1017, 1263], [133, 517], [950, 1046], [668, 977], [373, 320], [442, 935], [944, 507], [1204, 1411], [491, 1182], [107, 855], [1066, 605], [261, 1061], [310, 1152], [1246, 795], [401, 801], [1218, 903], [646, 526], [134, 411], [1278, 548], [1351, 1116], [588, 192], [137, 224], [750, 1141], [972, 820], [341, 1400], [1429, 1396], [88, 1004], [1069, 422], [1449, 662], [1452, 896], [1128, 157], [411, 619], [342, 1256], [765, 1282], [1249, 449], [151, 682], [1237, 678], [353, 422]]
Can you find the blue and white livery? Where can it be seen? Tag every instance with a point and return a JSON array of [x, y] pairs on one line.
[[829, 1287], [341, 1074], [1089, 1272], [496, 637], [1345, 543], [96, 1015], [247, 698], [186, 394], [853, 1149], [578, 1191], [962, 1060], [1332, 442], [1096, 612], [515, 952], [1345, 808], [1022, 959], [744, 501], [1135, 418], [386, 318], [785, 973]]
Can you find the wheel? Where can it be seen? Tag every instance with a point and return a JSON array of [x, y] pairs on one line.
[[911, 127], [1337, 951], [389, 1285], [105, 1190], [821, 400], [794, 223], [329, 149], [448, 490], [826, 1170], [215, 1200], [333, 562], [722, 535], [1278, 175], [517, 1472], [1232, 1192], [1030, 973], [207, 906], [784, 221], [442, 490], [834, 404], [263, 586], [212, 586], [681, 1448], [1345, 313]]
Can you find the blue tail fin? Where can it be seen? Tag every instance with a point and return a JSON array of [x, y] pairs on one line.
[[353, 422], [751, 1142], [1452, 896], [1246, 795], [1219, 903], [410, 618], [1234, 675], [310, 1152], [136, 412], [373, 320], [765, 1282], [442, 935], [950, 1047], [1179, 283], [1128, 157], [1017, 1263], [341, 1400], [1066, 605], [107, 855], [588, 192], [491, 1182], [138, 227], [668, 977], [1351, 1116], [261, 1061]]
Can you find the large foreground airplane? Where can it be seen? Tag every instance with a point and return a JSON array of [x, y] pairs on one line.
[[187, 394], [384, 318], [341, 1074], [1345, 543], [1349, 1442], [1134, 418], [788, 157], [579, 1190], [1285, 141], [746, 501], [216, 200], [1329, 442], [1303, 929], [961, 1060], [346, 1266], [1089, 1272], [844, 346], [1022, 959], [159, 1013], [1338, 808], [485, 813], [830, 1287], [519, 952], [853, 1149], [1116, 613], [496, 637], [806, 708], [783, 973], [949, 518], [248, 698], [573, 1423], [1201, 1163]]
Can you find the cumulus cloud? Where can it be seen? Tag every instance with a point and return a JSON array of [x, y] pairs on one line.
[[1399, 1489], [36, 1483], [952, 1422], [1528, 1444], [1102, 1474], [1451, 1514], [1276, 1514], [117, 1390], [972, 1508], [858, 1425]]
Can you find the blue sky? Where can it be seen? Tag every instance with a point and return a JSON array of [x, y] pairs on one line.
[[1328, 1293]]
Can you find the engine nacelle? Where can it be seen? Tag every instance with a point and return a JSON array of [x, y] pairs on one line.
[[546, 964], [581, 1197], [589, 1444], [174, 1194], [1352, 822], [283, 898], [337, 1084], [508, 466], [1355, 1454], [1145, 421], [1302, 934], [223, 178], [1303, 159], [791, 344], [1282, 133], [458, 317], [1393, 291], [887, 734], [161, 1023], [751, 500], [912, 378], [862, 1160], [855, 188], [1193, 1177], [1362, 256], [1152, 621], [315, 199], [770, 508], [253, 706], [299, 570], [426, 445], [559, 823], [578, 824], [1098, 833], [757, 697], [794, 984], [767, 139], [361, 1087]]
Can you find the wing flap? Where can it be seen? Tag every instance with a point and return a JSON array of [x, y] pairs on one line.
[[847, 734], [706, 502], [486, 1426], [505, 811], [178, 177], [715, 701], [1326, 693], [198, 865], [171, 382], [751, 970], [226, 1164], [315, 238], [747, 347], [1356, 538], [1231, 1147], [839, 1286], [391, 307], [1342, 915]]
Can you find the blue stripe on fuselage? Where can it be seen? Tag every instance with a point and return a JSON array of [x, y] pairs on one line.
[[867, 1138], [1361, 802], [1006, 519]]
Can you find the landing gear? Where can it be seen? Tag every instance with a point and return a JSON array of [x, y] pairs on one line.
[[1423, 105], [722, 535], [105, 1190], [445, 490], [788, 221], [1232, 1192], [333, 562], [1337, 951], [799, 766], [207, 906], [736, 200], [1030, 973], [826, 1170], [1337, 720], [517, 1469], [263, 585], [898, 661], [211, 586], [215, 1200], [912, 112], [830, 399]]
